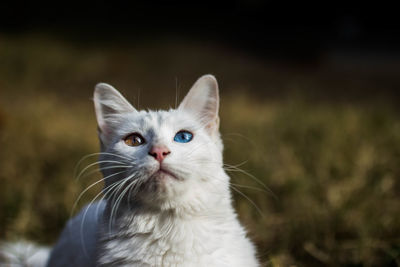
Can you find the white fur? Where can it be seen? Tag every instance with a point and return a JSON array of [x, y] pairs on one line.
[[151, 218], [187, 221], [23, 253], [169, 240]]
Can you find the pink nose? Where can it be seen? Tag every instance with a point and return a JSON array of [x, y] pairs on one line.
[[159, 152]]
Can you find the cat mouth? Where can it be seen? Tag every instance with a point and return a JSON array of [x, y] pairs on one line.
[[163, 173]]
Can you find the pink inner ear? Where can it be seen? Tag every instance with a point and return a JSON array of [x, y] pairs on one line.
[[213, 126], [109, 101], [202, 100], [105, 128]]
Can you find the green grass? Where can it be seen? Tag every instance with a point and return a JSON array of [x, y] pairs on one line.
[[334, 174], [331, 169]]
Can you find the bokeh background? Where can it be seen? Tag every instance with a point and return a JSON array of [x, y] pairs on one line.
[[309, 107]]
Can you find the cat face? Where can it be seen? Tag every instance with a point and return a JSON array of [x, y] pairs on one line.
[[167, 159]]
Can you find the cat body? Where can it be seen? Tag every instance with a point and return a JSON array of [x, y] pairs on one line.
[[77, 244], [167, 239], [166, 197]]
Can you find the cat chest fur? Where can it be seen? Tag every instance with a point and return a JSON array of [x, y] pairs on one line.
[[170, 241]]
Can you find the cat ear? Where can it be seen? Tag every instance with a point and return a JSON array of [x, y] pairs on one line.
[[108, 103], [203, 101]]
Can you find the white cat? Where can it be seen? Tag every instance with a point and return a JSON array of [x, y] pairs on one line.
[[167, 198]]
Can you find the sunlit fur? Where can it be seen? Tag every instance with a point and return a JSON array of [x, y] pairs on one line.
[[181, 217]]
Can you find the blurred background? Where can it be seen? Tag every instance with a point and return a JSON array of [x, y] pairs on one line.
[[309, 107]]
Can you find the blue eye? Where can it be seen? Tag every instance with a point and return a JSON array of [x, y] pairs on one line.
[[183, 137]]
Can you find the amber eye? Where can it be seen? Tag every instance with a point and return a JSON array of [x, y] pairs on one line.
[[134, 139]]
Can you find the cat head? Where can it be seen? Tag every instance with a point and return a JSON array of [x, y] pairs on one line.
[[168, 159]]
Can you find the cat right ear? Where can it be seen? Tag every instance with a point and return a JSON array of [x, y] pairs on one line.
[[202, 100], [109, 103]]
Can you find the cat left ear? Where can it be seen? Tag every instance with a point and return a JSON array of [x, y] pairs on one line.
[[203, 101], [108, 102]]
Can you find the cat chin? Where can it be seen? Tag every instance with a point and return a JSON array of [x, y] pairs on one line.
[[161, 184], [162, 191], [163, 174]]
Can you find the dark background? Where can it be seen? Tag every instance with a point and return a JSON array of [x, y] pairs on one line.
[[267, 28], [356, 38]]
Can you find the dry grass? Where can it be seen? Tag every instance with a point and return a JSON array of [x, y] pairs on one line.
[[332, 170]]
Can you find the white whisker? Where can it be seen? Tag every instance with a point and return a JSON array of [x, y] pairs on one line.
[[119, 198], [93, 184], [105, 168], [251, 201], [128, 158], [108, 189], [99, 162]]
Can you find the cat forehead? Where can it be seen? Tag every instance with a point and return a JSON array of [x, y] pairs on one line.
[[145, 120]]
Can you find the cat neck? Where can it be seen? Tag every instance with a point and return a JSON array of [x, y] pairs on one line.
[[126, 211], [141, 235]]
